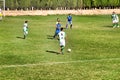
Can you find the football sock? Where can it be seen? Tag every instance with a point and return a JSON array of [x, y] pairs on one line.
[[117, 24], [71, 26], [62, 48], [114, 25], [66, 26], [24, 36]]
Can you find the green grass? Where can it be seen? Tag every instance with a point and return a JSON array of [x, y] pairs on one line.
[[95, 49]]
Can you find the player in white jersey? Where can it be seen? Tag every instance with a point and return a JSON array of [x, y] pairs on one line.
[[115, 20], [62, 37], [0, 14], [25, 29]]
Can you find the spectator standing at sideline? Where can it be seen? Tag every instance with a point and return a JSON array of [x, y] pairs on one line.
[[0, 14]]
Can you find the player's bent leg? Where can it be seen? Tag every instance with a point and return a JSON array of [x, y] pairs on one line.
[[24, 37], [25, 34], [66, 26], [56, 33], [117, 25], [114, 25], [71, 26], [62, 48]]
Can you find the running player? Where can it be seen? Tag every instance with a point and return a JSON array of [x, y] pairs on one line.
[[62, 37], [25, 29], [58, 26], [115, 20], [69, 21]]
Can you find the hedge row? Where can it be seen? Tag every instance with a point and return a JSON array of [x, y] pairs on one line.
[[61, 4]]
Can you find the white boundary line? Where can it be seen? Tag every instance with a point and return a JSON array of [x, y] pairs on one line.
[[52, 63]]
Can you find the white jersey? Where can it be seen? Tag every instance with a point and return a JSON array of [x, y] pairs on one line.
[[57, 22], [25, 28], [62, 38], [115, 18]]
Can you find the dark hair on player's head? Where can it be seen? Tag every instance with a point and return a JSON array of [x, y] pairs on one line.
[[26, 21], [61, 29], [113, 12]]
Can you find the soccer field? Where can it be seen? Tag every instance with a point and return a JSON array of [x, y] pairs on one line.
[[94, 43]]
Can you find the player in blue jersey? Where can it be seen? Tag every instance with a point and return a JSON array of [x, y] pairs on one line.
[[69, 21], [58, 26]]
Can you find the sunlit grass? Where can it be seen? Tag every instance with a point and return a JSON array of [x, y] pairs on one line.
[[92, 38]]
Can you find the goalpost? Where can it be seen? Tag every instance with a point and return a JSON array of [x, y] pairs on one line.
[[2, 6]]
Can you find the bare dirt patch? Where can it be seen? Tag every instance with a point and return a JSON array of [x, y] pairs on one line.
[[54, 12]]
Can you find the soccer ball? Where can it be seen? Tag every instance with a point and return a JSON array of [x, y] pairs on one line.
[[69, 50]]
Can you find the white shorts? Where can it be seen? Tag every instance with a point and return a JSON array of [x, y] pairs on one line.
[[62, 43], [25, 32], [69, 22], [115, 21]]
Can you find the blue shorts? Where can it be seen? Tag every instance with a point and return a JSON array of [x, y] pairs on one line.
[[57, 31]]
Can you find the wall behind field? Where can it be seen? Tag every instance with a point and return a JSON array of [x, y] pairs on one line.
[[54, 12]]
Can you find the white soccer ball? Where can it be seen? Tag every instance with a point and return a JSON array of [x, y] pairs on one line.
[[69, 50]]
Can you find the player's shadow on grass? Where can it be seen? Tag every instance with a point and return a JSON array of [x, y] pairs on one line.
[[54, 52], [20, 37], [108, 26], [50, 37]]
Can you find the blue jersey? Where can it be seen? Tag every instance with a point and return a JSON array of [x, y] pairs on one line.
[[58, 26], [69, 18]]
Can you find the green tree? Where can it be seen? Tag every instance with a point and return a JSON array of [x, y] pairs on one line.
[[87, 3], [10, 4], [24, 4], [16, 5], [35, 4], [113, 3], [104, 3]]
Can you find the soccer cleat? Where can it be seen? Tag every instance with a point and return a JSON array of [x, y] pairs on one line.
[[24, 37]]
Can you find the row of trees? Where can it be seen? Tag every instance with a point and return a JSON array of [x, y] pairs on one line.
[[61, 4]]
